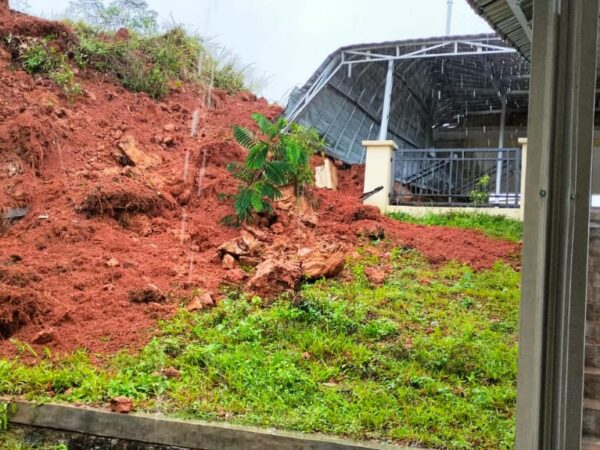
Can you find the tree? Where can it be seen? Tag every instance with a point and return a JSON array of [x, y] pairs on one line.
[[135, 15]]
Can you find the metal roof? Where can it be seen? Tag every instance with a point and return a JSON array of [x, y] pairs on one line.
[[511, 19], [437, 82]]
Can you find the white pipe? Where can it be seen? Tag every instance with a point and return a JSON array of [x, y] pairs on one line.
[[449, 18], [387, 101], [501, 145]]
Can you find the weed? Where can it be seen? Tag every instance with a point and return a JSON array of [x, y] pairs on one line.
[[481, 195]]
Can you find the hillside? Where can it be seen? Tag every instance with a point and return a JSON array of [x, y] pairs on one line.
[[112, 209]]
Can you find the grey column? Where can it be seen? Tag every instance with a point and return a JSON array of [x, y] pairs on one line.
[[551, 342]]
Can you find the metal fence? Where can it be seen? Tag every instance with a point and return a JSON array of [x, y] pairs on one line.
[[473, 177]]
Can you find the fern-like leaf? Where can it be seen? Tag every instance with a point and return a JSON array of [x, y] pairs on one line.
[[258, 156], [244, 137]]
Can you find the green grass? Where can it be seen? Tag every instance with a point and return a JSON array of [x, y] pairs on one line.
[[429, 358], [10, 443], [493, 226]]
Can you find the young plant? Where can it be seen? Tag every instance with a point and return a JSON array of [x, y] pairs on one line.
[[480, 195], [274, 160]]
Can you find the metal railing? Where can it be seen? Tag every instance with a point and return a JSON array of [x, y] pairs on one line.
[[458, 177]]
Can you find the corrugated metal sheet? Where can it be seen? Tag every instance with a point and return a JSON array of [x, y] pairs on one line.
[[502, 18], [428, 93]]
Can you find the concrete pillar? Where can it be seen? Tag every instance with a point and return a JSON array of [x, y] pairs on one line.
[[523, 144], [379, 172]]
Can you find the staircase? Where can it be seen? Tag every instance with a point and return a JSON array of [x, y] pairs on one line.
[[591, 401]]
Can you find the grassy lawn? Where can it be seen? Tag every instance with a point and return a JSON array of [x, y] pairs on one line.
[[428, 358], [493, 226]]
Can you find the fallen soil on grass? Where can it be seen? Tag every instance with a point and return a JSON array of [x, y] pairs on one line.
[[117, 198]]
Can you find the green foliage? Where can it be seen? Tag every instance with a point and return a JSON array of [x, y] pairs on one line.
[[142, 62], [229, 78], [134, 15], [42, 57], [493, 226], [481, 195], [404, 362], [276, 158], [65, 79]]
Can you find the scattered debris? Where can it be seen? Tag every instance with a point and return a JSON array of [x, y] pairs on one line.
[[149, 294], [375, 275], [121, 405], [136, 156], [275, 276], [200, 302]]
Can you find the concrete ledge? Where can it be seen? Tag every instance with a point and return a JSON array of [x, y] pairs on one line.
[[420, 211], [158, 430]]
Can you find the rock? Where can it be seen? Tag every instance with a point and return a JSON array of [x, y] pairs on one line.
[[122, 405], [369, 229], [137, 156], [258, 234], [244, 245], [169, 127], [235, 276], [200, 302], [169, 141], [228, 261], [149, 294], [365, 212], [323, 264], [275, 276], [44, 337], [277, 228], [171, 372], [307, 214], [375, 275], [112, 262], [249, 261]]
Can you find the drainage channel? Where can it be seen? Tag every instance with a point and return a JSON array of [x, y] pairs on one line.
[[87, 429]]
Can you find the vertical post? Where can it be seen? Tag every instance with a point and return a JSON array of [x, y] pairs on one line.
[[379, 172], [553, 300], [500, 145], [387, 101], [523, 171], [449, 18]]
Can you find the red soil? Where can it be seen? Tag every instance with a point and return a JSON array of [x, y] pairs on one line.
[[97, 230]]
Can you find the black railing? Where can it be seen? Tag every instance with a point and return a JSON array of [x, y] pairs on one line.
[[458, 177]]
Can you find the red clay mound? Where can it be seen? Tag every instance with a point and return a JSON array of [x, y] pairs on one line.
[[122, 211]]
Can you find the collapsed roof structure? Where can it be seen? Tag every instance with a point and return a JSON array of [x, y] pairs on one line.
[[412, 91]]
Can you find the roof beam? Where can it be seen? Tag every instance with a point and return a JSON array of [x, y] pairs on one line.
[[520, 16]]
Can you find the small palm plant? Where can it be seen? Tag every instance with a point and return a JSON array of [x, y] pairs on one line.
[[275, 159]]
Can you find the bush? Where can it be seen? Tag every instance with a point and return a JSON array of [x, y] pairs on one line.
[[41, 57], [278, 158], [154, 64]]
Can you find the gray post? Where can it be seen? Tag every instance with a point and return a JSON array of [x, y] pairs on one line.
[[500, 144], [552, 327], [387, 101]]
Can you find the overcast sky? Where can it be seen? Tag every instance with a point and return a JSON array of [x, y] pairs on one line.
[[286, 40]]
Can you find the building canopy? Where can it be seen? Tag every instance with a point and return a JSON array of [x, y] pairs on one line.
[[432, 84]]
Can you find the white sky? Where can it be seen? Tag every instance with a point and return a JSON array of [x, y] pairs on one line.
[[286, 40]]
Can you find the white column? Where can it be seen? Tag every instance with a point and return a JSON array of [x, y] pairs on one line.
[[387, 101], [523, 144], [379, 172]]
